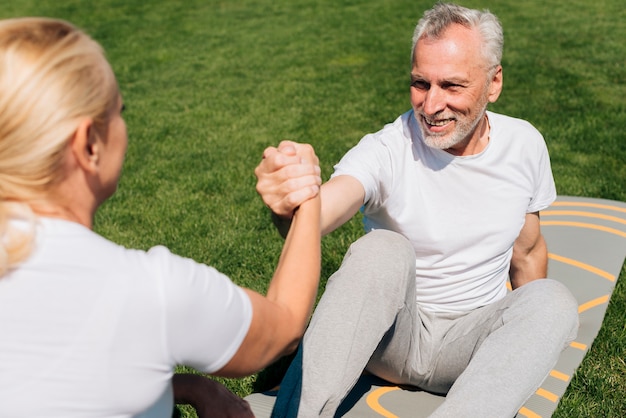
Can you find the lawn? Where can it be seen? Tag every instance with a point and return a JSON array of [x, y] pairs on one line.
[[209, 84]]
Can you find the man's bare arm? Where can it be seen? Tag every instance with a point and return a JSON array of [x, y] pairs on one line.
[[530, 254], [285, 180], [342, 196]]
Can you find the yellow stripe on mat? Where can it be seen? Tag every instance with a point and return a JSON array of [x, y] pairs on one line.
[[585, 225], [593, 303], [372, 401], [582, 265], [558, 375], [528, 413], [589, 205], [583, 214], [547, 395]]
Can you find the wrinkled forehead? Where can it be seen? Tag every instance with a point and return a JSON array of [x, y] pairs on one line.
[[456, 45]]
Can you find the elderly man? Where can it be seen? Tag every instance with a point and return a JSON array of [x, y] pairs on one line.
[[451, 195]]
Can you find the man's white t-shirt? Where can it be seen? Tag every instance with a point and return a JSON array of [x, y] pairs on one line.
[[91, 329], [462, 214]]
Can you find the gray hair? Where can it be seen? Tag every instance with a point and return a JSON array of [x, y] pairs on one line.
[[436, 20]]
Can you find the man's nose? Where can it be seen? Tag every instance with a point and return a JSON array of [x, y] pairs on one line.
[[434, 101]]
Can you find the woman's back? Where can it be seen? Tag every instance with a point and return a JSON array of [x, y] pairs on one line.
[[96, 329]]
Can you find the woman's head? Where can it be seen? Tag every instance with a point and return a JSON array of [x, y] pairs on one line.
[[52, 77]]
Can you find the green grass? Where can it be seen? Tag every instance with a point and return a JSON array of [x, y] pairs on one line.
[[209, 84]]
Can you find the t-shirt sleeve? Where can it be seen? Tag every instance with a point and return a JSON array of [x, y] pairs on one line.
[[545, 189], [206, 315], [369, 163]]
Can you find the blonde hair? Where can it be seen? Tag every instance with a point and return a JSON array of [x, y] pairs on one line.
[[51, 75]]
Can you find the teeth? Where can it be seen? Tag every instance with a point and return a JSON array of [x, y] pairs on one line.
[[440, 122]]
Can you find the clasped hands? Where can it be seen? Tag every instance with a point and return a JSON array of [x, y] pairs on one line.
[[287, 176]]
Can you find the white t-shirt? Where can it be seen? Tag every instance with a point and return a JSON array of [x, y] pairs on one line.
[[91, 329], [462, 214]]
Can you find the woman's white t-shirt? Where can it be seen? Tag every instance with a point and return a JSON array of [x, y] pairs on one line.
[[91, 329]]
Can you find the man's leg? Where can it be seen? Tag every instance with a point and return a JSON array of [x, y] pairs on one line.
[[373, 289], [516, 343]]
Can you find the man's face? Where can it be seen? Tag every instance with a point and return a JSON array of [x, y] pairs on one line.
[[450, 89]]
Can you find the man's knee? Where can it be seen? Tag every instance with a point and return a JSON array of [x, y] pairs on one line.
[[380, 259], [555, 305], [386, 245]]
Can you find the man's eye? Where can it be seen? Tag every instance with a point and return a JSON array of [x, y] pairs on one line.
[[420, 85]]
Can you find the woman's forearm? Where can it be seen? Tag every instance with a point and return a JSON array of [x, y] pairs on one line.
[[296, 278], [280, 318]]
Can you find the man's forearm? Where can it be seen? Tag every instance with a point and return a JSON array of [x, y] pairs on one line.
[[528, 267]]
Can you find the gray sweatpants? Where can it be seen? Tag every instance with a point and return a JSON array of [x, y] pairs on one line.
[[489, 361]]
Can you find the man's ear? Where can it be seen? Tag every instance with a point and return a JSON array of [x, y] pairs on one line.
[[85, 146], [495, 86]]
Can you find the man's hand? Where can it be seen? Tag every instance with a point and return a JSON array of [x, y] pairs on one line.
[[288, 176]]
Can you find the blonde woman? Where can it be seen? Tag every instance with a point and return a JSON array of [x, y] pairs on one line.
[[89, 328]]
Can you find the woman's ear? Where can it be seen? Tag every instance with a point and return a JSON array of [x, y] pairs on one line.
[[85, 146]]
